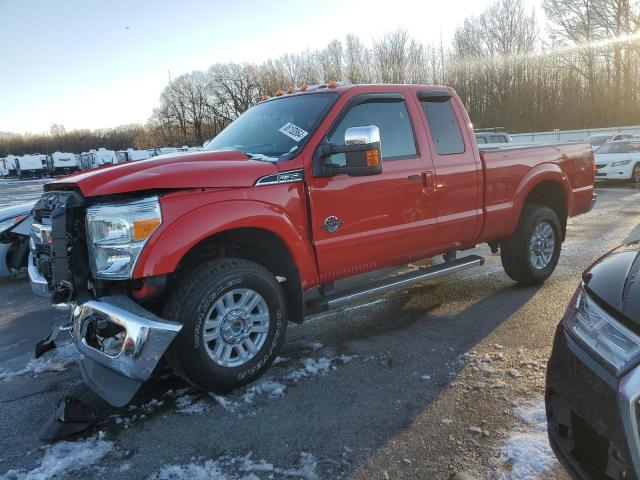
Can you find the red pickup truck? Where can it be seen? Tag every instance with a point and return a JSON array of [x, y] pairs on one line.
[[204, 258]]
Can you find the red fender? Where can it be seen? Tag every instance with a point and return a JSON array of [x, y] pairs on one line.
[[501, 220], [173, 240]]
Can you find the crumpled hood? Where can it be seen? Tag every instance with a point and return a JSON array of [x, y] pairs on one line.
[[615, 279], [184, 170]]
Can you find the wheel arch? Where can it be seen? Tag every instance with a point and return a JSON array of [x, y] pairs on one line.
[[257, 245], [545, 185], [252, 230]]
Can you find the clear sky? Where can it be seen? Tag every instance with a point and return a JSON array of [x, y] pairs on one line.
[[94, 64]]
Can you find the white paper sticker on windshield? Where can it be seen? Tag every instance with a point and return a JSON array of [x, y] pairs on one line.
[[293, 131]]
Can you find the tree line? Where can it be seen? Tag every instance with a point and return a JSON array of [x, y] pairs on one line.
[[579, 69]]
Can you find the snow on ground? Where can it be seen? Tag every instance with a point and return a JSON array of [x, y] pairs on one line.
[[65, 457], [237, 468], [55, 360], [243, 401], [527, 453], [189, 402]]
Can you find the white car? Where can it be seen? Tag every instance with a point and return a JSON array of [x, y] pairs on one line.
[[600, 139], [619, 160]]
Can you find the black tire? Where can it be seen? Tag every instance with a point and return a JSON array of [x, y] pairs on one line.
[[190, 304], [635, 176], [515, 250]]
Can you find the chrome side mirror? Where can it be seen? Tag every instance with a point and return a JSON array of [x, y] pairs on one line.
[[362, 154], [362, 135]]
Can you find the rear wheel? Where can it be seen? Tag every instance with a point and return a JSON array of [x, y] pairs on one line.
[[635, 176], [234, 322], [531, 254]]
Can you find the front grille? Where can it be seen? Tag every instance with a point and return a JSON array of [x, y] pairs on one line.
[[61, 215], [599, 166]]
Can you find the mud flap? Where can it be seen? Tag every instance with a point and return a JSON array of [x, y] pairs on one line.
[[116, 389]]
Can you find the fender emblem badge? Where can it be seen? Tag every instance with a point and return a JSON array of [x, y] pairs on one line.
[[331, 224]]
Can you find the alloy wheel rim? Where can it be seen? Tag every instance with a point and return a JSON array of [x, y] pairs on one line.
[[542, 246], [236, 327], [636, 173]]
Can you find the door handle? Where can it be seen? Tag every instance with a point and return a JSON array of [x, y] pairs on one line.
[[427, 181], [414, 177]]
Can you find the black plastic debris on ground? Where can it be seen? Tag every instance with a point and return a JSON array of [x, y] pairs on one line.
[[71, 417]]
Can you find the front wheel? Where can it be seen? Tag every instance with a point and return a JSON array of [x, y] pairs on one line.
[[635, 175], [234, 321], [531, 254]]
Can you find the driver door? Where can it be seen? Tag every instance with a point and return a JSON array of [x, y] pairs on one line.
[[365, 223]]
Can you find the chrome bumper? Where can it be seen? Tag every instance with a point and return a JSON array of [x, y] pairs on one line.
[[594, 199], [144, 338], [141, 342], [39, 285]]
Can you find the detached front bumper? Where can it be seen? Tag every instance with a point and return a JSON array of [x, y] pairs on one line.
[[121, 342]]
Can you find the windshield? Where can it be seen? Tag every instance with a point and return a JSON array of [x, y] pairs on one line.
[[625, 147], [275, 130]]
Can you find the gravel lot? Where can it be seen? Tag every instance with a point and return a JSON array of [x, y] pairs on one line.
[[441, 381]]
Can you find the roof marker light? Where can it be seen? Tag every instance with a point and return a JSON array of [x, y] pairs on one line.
[[279, 92], [332, 84], [304, 87], [263, 98], [291, 89]]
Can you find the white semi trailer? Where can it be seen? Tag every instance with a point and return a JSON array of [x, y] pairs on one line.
[[29, 166], [97, 158], [9, 165], [61, 163], [131, 155]]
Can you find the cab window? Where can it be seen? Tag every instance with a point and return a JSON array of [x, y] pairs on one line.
[[390, 115], [445, 131]]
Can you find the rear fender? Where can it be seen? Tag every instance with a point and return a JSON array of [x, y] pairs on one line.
[[502, 220]]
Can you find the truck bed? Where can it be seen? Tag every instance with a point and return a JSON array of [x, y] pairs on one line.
[[507, 169]]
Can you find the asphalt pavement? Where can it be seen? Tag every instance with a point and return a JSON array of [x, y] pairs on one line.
[[441, 381]]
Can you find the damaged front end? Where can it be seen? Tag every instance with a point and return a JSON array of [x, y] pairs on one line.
[[121, 341]]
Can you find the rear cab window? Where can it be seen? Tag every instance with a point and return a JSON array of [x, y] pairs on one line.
[[443, 123]]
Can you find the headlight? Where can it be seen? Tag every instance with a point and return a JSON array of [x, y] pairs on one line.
[[620, 163], [10, 222], [610, 340], [117, 233]]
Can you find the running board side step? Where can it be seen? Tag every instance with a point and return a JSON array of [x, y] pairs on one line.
[[339, 299]]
